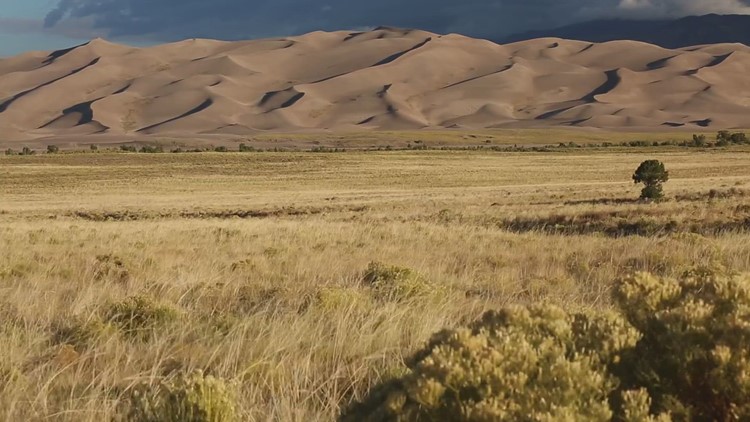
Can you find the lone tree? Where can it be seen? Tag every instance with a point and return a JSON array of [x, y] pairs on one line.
[[652, 174]]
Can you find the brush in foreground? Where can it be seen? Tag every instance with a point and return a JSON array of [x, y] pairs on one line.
[[678, 350]]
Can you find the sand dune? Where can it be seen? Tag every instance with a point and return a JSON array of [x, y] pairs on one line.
[[384, 79]]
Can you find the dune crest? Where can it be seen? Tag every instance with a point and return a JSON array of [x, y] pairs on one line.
[[384, 79]]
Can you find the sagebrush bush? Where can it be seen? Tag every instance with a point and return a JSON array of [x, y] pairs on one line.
[[395, 283], [139, 315], [194, 397], [694, 354], [678, 350], [537, 363]]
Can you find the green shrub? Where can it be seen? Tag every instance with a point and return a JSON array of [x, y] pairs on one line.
[[220, 149], [52, 149], [724, 137], [246, 148], [152, 149], [395, 283], [187, 398], [27, 151], [678, 350], [526, 364], [139, 315], [652, 174], [10, 151], [739, 138], [694, 354], [93, 147], [128, 148]]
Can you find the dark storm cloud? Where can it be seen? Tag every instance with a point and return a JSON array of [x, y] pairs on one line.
[[163, 20]]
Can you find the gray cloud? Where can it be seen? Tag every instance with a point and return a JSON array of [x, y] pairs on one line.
[[165, 20]]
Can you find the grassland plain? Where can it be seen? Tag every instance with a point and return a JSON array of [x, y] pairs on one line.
[[251, 266]]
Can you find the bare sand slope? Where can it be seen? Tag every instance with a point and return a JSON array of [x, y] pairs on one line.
[[385, 79]]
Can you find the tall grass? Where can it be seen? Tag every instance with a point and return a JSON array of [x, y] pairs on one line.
[[256, 270]]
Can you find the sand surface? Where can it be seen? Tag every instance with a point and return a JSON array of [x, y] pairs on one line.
[[385, 79]]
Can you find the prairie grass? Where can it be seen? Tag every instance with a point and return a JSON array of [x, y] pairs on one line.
[[261, 269]]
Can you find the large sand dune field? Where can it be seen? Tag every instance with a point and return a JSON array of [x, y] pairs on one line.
[[385, 79]]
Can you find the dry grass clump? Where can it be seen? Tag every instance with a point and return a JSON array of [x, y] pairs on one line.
[[335, 299], [111, 268], [139, 315], [81, 333]]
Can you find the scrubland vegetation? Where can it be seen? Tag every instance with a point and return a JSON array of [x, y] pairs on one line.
[[310, 287]]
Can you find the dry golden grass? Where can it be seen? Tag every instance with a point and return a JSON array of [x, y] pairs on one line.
[[253, 263]]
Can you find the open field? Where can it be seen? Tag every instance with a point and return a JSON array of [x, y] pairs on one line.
[[250, 266]]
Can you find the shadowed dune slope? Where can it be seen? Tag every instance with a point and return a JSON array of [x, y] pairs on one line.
[[384, 79]]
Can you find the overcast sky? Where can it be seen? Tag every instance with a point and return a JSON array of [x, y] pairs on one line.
[[51, 24]]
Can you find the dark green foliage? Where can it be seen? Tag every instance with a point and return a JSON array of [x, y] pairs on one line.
[[221, 149], [27, 151], [652, 192], [722, 142], [739, 138], [725, 137], [93, 147], [246, 148], [52, 149], [639, 143], [652, 174], [128, 148], [152, 149]]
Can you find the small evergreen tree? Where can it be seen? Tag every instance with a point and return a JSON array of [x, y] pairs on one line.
[[652, 174]]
